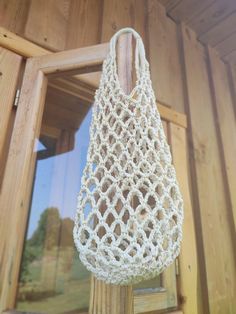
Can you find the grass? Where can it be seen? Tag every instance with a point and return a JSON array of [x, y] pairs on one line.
[[75, 297], [56, 283]]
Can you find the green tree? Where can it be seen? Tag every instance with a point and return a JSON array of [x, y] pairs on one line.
[[47, 232], [46, 235]]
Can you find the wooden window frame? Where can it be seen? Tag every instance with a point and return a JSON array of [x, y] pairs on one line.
[[19, 169]]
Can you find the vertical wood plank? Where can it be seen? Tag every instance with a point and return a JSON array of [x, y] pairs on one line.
[[230, 57], [47, 23], [215, 248], [226, 125], [84, 26], [13, 15], [110, 299], [18, 178], [188, 285], [124, 62], [232, 82], [9, 69], [122, 296], [164, 57], [119, 14]]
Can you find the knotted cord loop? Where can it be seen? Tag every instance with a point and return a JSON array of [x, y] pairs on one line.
[[140, 58], [128, 225]]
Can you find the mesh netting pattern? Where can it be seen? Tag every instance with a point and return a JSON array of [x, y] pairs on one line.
[[128, 225]]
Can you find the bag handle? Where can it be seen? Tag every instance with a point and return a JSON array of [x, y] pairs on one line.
[[140, 58]]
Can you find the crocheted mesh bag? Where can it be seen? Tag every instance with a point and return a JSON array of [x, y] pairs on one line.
[[128, 225]]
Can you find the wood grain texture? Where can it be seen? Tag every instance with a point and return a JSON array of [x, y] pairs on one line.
[[171, 115], [227, 127], [164, 57], [219, 32], [18, 178], [170, 4], [185, 10], [47, 23], [119, 14], [212, 15], [9, 68], [84, 23], [232, 81], [113, 299], [215, 247], [110, 299], [213, 20], [188, 276], [231, 57], [20, 165], [19, 45], [226, 46], [13, 15], [125, 62], [69, 62], [27, 49], [209, 196]]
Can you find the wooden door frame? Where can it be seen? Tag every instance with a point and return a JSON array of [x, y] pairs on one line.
[[18, 175], [21, 158]]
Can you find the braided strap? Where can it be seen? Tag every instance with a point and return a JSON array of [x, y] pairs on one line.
[[128, 225]]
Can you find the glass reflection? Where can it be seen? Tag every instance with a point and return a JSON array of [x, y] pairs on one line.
[[52, 278]]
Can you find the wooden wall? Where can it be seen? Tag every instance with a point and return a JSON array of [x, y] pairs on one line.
[[187, 76]]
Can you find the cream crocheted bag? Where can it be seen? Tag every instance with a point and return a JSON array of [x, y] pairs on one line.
[[128, 225]]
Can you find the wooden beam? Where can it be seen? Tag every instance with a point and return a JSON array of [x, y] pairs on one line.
[[18, 179], [74, 60], [171, 115], [27, 49], [111, 299], [20, 45], [10, 67], [21, 160]]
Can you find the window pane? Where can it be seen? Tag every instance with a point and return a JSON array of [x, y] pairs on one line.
[[52, 278], [149, 285]]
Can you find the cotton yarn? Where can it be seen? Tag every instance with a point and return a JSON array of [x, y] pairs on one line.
[[128, 225]]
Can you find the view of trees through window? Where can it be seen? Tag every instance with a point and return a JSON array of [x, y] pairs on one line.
[[52, 278]]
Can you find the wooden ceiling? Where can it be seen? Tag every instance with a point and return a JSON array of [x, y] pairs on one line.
[[214, 21]]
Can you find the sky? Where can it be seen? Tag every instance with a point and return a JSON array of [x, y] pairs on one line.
[[58, 178]]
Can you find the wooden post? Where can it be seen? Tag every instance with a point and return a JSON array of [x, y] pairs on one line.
[[111, 299], [187, 260], [10, 63]]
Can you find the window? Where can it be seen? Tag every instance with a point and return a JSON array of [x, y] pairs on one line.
[[58, 127]]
